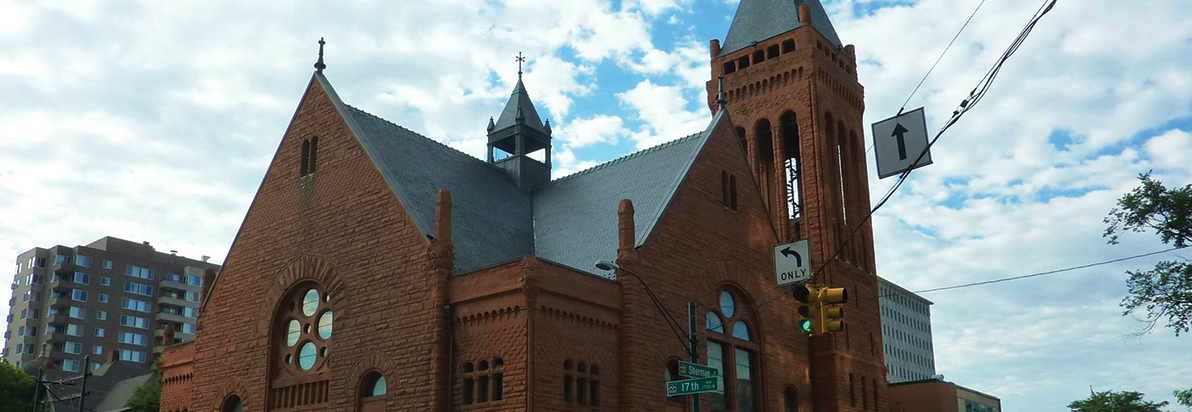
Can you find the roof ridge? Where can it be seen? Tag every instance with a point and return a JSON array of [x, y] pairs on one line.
[[624, 158], [452, 149]]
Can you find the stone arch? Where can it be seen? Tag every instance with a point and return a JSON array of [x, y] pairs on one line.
[[300, 269]]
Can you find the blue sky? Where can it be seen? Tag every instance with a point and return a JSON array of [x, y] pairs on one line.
[[153, 121]]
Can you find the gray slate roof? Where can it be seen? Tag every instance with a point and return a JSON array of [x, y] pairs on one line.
[[519, 100], [758, 20], [571, 220]]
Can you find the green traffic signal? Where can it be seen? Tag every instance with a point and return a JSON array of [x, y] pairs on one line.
[[805, 325]]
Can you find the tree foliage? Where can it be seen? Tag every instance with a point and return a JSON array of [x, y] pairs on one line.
[[147, 398], [1110, 401], [1183, 397], [16, 388], [1166, 290]]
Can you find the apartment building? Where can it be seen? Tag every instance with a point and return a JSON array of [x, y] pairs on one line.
[[906, 333], [109, 295]]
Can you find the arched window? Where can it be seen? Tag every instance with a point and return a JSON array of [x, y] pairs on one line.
[[732, 350], [581, 385], [302, 328], [764, 137], [372, 392], [483, 381], [672, 374], [310, 153], [790, 147], [790, 400], [232, 404]]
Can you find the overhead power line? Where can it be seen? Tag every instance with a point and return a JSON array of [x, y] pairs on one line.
[[975, 96], [1050, 272]]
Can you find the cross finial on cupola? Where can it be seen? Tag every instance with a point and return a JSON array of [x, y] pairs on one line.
[[319, 65], [520, 59]]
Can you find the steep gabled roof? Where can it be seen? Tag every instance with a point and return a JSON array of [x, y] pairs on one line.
[[758, 20], [571, 221], [519, 101], [575, 217], [490, 215]]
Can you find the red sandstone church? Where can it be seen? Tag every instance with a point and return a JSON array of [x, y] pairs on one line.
[[380, 270]]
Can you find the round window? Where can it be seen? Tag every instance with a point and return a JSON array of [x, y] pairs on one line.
[[727, 306], [325, 325], [310, 302], [306, 356], [293, 332]]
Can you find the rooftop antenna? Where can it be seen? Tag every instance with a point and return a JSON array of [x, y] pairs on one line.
[[520, 59], [319, 66]]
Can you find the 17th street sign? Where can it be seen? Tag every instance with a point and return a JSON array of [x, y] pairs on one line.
[[690, 386], [792, 262], [695, 370]]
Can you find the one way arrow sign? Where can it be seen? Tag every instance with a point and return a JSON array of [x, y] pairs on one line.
[[792, 262], [899, 141]]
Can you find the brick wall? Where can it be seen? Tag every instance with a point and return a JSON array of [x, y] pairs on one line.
[[345, 229]]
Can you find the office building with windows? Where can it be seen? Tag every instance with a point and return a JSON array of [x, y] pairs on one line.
[[111, 295], [906, 333]]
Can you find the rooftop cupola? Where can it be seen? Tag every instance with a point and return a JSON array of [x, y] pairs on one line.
[[517, 133]]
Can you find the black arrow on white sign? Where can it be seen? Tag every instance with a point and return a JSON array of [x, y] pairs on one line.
[[787, 252], [898, 132]]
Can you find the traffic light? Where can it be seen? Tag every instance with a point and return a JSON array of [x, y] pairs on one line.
[[803, 294], [832, 317]]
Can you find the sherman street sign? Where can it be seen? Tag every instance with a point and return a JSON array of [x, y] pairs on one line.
[[695, 370]]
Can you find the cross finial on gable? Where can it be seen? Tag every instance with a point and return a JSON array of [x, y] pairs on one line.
[[721, 100], [319, 65], [520, 59]]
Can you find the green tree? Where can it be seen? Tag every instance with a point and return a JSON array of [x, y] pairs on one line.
[[1183, 397], [16, 388], [1110, 401], [1166, 290], [147, 398]]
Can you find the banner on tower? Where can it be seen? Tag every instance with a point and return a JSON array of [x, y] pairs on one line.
[[898, 142]]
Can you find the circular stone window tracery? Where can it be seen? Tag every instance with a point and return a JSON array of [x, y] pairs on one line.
[[308, 322]]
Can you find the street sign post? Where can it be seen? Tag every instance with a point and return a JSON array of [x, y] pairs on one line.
[[898, 142], [792, 262], [695, 370], [690, 386]]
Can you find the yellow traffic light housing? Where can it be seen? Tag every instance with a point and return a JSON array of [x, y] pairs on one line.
[[831, 317]]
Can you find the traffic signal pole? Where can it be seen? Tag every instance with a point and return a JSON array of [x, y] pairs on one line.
[[693, 345]]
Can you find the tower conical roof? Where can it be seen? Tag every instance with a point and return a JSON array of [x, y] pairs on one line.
[[758, 20], [519, 105]]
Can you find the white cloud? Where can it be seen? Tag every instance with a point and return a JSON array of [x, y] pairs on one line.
[[663, 111], [585, 132], [1172, 149]]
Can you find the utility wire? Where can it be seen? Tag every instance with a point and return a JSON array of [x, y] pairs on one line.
[[937, 62], [1050, 272], [975, 96]]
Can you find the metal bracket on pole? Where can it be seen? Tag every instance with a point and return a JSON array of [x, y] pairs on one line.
[[693, 345]]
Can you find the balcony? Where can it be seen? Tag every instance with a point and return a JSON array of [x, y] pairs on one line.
[[60, 301], [174, 318], [60, 284], [56, 336], [64, 267], [175, 285], [57, 318], [173, 301]]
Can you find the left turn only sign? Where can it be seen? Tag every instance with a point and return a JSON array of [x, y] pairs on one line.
[[792, 262]]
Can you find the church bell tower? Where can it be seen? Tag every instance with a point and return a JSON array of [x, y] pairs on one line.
[[791, 88], [518, 133]]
